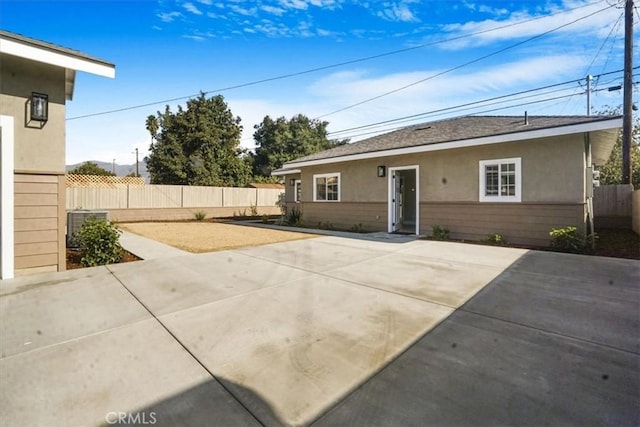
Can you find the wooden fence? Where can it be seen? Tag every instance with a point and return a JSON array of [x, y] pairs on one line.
[[612, 206], [169, 196]]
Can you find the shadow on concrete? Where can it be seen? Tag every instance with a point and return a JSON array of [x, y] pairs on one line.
[[207, 404], [553, 340]]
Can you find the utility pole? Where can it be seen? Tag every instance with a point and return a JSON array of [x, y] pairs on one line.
[[589, 78], [627, 106], [137, 171], [113, 166]]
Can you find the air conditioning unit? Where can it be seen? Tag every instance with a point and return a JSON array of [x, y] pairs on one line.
[[75, 219]]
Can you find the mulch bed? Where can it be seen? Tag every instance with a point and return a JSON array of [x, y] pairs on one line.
[[74, 256]]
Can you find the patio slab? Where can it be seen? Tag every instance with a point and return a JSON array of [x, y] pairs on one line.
[[47, 309], [299, 347], [138, 370]]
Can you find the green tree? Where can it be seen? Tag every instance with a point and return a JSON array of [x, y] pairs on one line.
[[611, 172], [281, 140], [90, 168], [198, 145]]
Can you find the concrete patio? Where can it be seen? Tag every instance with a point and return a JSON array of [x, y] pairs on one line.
[[326, 331]]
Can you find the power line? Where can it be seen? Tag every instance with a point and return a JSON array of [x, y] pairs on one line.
[[336, 65], [461, 65], [468, 104]]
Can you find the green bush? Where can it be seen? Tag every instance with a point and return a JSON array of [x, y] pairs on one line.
[[494, 240], [568, 239], [254, 209], [439, 233], [357, 228], [98, 241], [266, 219], [200, 216], [294, 217]]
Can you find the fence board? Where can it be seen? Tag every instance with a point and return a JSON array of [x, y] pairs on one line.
[[612, 200]]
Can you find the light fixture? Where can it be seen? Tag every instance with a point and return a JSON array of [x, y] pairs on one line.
[[292, 182], [39, 107], [382, 171]]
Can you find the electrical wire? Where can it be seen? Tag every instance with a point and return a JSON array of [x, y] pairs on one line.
[[326, 67], [473, 61]]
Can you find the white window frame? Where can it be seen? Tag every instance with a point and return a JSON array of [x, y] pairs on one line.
[[500, 198], [297, 184], [326, 175]]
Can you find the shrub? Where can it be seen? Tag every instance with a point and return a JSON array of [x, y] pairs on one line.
[[325, 226], [439, 233], [200, 216], [99, 242], [568, 239], [357, 228], [254, 209], [282, 204], [266, 219], [494, 240], [294, 217]]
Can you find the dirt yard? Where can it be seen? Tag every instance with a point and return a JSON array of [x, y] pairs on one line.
[[210, 236]]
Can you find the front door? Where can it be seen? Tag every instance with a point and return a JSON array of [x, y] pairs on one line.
[[403, 200]]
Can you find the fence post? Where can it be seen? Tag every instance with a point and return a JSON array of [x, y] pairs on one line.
[[128, 196]]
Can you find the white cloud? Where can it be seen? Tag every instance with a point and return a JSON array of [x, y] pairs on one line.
[[169, 16], [243, 11], [206, 2], [598, 25], [192, 8], [397, 12], [278, 11]]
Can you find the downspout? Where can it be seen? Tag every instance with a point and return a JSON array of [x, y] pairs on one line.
[[589, 186]]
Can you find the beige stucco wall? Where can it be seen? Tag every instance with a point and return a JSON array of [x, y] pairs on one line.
[[552, 172], [36, 149]]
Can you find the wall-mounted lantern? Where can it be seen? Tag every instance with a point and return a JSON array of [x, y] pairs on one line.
[[39, 107], [292, 182], [382, 171]]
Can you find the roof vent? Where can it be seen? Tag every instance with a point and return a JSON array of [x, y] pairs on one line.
[[424, 128], [526, 118]]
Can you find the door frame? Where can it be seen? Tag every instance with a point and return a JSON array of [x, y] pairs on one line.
[[391, 193]]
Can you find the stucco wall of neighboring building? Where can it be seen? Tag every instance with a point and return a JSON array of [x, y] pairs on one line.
[[553, 191]]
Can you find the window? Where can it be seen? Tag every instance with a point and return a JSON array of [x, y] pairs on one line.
[[326, 187], [297, 190], [500, 180]]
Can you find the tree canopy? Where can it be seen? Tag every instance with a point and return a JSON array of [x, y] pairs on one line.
[[611, 172], [198, 145], [279, 141], [90, 168]]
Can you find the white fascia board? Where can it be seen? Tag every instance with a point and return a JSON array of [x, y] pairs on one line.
[[11, 47], [486, 140], [285, 172]]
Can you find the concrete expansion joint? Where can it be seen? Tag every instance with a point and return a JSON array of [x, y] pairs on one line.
[[548, 332]]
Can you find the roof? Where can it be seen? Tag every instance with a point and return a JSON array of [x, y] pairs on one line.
[[456, 133], [269, 185], [49, 53]]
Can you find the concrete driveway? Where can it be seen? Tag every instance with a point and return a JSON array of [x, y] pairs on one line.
[[326, 331]]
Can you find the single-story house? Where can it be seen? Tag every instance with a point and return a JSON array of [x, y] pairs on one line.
[[475, 176], [36, 80]]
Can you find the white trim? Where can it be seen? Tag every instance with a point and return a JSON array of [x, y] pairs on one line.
[[391, 191], [482, 197], [285, 172], [6, 197], [327, 175], [56, 58], [296, 184], [494, 139]]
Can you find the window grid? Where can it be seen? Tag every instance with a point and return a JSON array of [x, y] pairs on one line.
[[500, 180], [327, 187]]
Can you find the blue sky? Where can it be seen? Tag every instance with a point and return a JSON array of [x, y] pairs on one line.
[[168, 49]]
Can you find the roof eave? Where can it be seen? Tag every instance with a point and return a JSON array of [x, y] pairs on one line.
[[605, 124], [60, 58], [284, 171]]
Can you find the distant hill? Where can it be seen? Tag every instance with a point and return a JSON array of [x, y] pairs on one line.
[[121, 170]]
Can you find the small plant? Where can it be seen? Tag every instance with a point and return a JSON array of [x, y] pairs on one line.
[[494, 240], [282, 204], [357, 228], [200, 216], [294, 217], [98, 241], [266, 219], [567, 239], [253, 209], [325, 226], [439, 233]]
